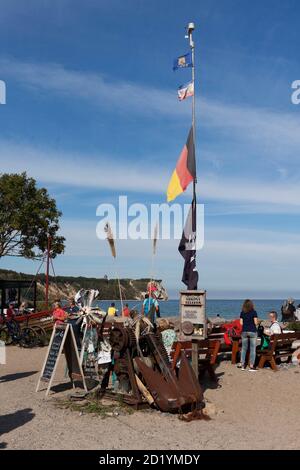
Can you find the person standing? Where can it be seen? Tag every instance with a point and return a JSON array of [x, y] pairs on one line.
[[126, 311], [112, 311], [291, 310], [249, 321], [150, 308], [288, 310], [12, 326], [10, 312]]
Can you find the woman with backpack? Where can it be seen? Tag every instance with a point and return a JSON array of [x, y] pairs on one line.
[[249, 321]]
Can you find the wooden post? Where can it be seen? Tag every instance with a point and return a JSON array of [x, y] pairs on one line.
[[34, 296], [195, 358], [234, 350], [19, 296], [47, 272]]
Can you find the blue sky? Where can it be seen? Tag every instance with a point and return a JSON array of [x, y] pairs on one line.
[[92, 113]]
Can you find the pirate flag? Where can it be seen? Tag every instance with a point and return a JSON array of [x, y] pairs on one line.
[[187, 249]]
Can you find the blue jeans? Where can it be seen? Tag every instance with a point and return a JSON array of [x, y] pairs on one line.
[[252, 338]]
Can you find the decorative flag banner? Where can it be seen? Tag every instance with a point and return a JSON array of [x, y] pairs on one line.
[[183, 61], [184, 91], [185, 171], [187, 249]]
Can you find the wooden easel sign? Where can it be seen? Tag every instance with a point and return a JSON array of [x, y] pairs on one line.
[[62, 340]]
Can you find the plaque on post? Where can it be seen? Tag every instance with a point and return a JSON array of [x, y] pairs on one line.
[[193, 319]]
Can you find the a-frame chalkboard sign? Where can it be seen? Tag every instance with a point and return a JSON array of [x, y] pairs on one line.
[[62, 340]]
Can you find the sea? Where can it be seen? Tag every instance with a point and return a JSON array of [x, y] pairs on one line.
[[228, 309]]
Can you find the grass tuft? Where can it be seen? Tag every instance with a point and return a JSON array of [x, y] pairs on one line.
[[96, 407]]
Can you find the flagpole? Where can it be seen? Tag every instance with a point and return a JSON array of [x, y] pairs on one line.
[[190, 29]]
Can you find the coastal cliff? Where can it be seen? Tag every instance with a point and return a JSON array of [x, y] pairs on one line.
[[63, 287]]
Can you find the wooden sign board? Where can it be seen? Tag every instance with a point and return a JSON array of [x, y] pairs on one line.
[[62, 340], [193, 310]]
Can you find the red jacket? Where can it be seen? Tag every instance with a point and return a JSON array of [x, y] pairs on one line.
[[232, 330]]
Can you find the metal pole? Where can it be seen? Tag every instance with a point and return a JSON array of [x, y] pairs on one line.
[[47, 272], [191, 28]]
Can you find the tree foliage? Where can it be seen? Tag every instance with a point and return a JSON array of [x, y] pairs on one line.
[[27, 216]]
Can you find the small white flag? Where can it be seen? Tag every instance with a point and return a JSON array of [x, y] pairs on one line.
[[184, 91]]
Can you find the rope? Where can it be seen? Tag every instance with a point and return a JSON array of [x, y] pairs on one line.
[[54, 274], [34, 278]]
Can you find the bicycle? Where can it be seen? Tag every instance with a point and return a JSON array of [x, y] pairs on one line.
[[12, 333]]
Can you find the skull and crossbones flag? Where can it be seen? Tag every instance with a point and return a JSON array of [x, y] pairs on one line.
[[187, 249]]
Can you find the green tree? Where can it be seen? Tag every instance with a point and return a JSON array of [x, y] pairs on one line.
[[27, 216]]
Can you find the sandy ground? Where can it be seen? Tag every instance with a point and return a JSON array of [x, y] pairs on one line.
[[252, 410]]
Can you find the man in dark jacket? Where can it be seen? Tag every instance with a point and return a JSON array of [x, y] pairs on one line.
[[288, 311]]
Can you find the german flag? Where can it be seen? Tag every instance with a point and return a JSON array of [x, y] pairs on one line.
[[185, 171]]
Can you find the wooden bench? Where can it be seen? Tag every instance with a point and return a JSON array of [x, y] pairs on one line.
[[207, 352], [235, 349], [280, 346], [216, 332]]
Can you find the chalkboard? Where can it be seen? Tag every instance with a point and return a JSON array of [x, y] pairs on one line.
[[62, 340], [53, 352], [72, 356]]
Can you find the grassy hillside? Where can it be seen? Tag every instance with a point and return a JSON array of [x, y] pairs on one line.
[[67, 286]]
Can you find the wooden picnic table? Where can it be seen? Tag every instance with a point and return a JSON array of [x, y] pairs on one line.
[[281, 345], [202, 352]]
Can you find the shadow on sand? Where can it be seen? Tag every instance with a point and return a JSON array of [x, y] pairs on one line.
[[16, 376], [62, 387], [15, 420], [206, 383]]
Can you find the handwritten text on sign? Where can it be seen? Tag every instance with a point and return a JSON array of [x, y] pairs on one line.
[[53, 354]]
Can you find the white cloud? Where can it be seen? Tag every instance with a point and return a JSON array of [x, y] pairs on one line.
[[235, 245], [102, 172], [78, 170], [272, 133], [94, 87], [237, 190]]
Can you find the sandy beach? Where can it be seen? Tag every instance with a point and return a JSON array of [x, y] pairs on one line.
[[249, 411]]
